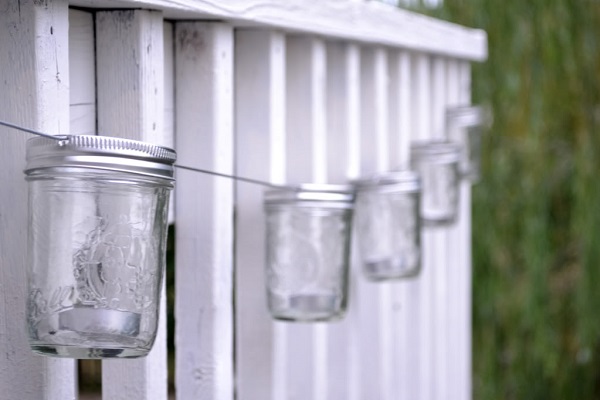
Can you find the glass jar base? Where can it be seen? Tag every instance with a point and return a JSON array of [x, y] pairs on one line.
[[389, 269], [88, 352], [308, 308], [438, 221]]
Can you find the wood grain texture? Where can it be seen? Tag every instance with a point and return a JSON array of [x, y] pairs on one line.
[[129, 46], [204, 211], [34, 81], [367, 22], [169, 101], [260, 154]]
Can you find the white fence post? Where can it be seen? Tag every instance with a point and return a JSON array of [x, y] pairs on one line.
[[34, 81], [204, 211], [260, 154], [129, 46]]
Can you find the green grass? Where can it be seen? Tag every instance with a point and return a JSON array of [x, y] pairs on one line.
[[536, 225]]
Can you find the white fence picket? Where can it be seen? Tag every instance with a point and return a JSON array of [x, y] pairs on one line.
[[306, 162], [439, 235], [455, 263], [374, 158], [129, 46], [260, 154], [343, 130], [422, 287], [462, 240], [401, 326], [34, 81], [204, 211], [169, 100]]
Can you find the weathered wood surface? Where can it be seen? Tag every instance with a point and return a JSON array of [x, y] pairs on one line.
[[362, 21], [34, 82], [204, 211], [130, 62]]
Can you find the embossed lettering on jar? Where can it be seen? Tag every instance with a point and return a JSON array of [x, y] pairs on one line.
[[97, 237]]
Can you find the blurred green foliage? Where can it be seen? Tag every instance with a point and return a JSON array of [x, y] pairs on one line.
[[536, 211]]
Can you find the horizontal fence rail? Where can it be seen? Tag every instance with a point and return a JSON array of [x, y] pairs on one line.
[[285, 92], [354, 20]]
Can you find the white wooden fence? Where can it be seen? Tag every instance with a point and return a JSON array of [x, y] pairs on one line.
[[286, 91]]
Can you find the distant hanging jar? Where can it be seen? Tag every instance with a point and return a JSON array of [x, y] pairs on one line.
[[437, 165], [308, 248], [97, 237], [466, 125], [388, 225]]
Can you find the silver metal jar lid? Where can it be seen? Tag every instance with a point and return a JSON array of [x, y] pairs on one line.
[[397, 181], [100, 152], [438, 150], [341, 196]]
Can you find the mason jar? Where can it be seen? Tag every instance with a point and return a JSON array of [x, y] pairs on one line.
[[437, 164], [388, 225], [308, 246], [466, 124], [97, 236]]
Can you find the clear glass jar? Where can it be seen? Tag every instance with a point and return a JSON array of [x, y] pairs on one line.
[[97, 237], [388, 225], [308, 247], [437, 164], [465, 125]]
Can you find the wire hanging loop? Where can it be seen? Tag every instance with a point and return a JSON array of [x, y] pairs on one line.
[[38, 133]]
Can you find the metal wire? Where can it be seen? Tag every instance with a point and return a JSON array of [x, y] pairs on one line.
[[204, 171], [22, 128], [235, 177]]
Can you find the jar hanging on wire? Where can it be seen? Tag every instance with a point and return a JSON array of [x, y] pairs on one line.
[[308, 247], [466, 124], [97, 238], [437, 164], [388, 225]]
